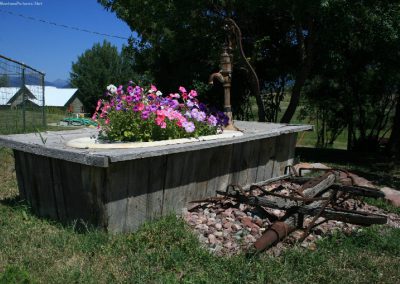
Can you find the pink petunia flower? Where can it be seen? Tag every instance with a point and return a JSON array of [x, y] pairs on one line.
[[98, 105], [182, 89], [192, 94]]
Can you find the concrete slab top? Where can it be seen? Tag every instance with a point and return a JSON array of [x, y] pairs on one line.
[[53, 143]]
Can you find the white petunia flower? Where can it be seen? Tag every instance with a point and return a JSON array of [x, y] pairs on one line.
[[112, 89]]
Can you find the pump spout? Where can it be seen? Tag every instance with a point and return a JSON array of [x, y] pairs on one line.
[[218, 76]]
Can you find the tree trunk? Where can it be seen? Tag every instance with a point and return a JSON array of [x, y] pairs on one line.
[[296, 92], [393, 146], [350, 130], [305, 51], [260, 106]]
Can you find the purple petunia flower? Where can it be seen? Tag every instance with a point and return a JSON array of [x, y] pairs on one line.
[[129, 99], [137, 90], [153, 108], [212, 120], [174, 104], [222, 119], [202, 107], [130, 89], [136, 97], [189, 103], [145, 114], [198, 115], [189, 126]]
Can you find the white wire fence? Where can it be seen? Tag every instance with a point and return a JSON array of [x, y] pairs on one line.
[[22, 97]]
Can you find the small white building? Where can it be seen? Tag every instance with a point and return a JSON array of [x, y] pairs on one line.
[[54, 97], [64, 97]]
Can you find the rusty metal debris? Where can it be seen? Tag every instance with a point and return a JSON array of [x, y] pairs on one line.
[[318, 197]]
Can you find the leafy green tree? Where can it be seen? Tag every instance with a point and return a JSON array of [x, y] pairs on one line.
[[356, 79], [98, 67]]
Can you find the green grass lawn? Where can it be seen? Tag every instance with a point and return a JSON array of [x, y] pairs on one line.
[[34, 250], [11, 120]]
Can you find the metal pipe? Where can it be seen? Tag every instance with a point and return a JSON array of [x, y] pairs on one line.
[[23, 87], [224, 76], [278, 231], [43, 102]]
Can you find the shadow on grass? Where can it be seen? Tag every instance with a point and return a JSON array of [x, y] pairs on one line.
[[372, 166], [15, 202], [78, 225]]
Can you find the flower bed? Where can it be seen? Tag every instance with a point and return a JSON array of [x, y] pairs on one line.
[[132, 114]]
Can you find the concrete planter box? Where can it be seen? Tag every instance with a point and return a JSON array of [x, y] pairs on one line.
[[119, 189]]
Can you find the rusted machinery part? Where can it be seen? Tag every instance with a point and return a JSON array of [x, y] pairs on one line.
[[295, 198], [315, 218], [274, 234], [351, 189], [342, 180]]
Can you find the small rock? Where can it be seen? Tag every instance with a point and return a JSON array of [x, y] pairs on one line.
[[218, 234], [258, 222], [255, 231], [239, 213], [210, 221], [228, 245], [212, 239], [319, 230], [201, 227], [227, 212], [249, 239], [246, 221], [312, 246], [218, 226], [392, 195], [227, 225], [236, 227], [237, 237], [203, 239]]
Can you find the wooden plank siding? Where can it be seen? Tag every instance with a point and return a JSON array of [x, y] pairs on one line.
[[126, 194]]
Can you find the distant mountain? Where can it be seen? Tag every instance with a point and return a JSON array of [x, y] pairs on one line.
[[59, 83], [16, 81]]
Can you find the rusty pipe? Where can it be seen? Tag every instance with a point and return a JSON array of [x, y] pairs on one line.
[[278, 231]]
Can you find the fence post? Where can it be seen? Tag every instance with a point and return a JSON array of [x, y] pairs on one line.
[[43, 102], [23, 99]]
